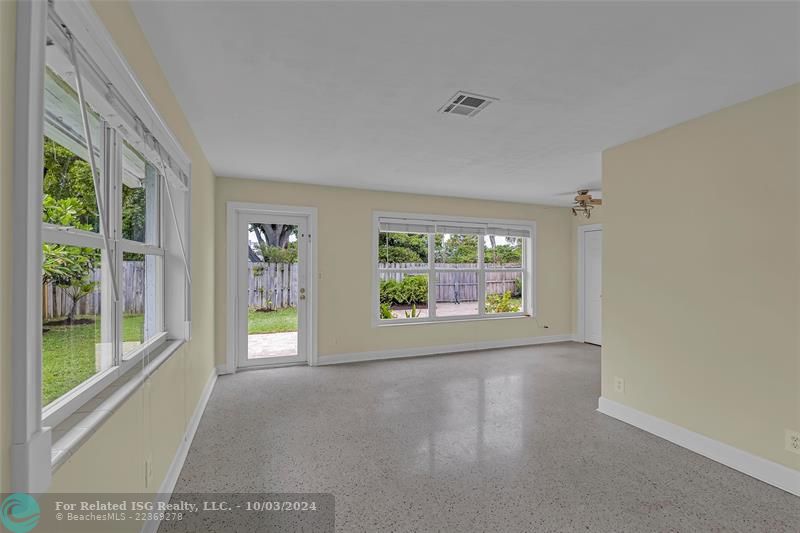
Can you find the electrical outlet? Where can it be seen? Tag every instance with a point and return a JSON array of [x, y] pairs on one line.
[[619, 385], [793, 441]]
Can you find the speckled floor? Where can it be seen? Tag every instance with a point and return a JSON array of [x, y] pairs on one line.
[[499, 440]]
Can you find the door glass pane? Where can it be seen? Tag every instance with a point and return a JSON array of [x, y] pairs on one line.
[[76, 335], [456, 293], [272, 290], [403, 295], [503, 291]]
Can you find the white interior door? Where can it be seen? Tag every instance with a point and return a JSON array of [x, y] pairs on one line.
[[592, 286], [273, 295]]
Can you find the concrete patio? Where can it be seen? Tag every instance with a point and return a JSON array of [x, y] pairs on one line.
[[271, 344]]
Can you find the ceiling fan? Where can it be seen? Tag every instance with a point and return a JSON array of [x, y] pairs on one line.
[[584, 203]]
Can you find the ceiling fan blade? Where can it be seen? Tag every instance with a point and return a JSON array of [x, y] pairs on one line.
[[574, 191], [596, 201]]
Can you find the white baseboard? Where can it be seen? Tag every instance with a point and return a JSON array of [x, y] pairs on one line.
[[775, 474], [438, 350], [171, 478]]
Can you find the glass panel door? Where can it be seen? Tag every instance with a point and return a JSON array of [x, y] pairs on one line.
[[273, 295]]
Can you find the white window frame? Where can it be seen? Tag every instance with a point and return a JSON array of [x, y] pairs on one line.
[[528, 270], [31, 440], [111, 189]]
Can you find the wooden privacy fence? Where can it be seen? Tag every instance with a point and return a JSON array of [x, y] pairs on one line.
[[272, 285], [56, 301], [455, 286]]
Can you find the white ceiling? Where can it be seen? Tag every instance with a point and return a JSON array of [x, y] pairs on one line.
[[347, 93]]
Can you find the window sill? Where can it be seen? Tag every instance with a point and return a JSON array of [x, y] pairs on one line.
[[76, 429], [448, 320]]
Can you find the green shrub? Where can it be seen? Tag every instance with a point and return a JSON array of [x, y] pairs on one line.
[[517, 288], [389, 291], [412, 290], [415, 289], [276, 254], [386, 311], [496, 303]]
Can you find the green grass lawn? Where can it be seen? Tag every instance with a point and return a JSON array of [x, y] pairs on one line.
[[68, 352], [278, 321]]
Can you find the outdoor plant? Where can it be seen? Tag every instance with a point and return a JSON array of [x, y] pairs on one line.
[[276, 254], [413, 313], [68, 267], [413, 289], [386, 311], [517, 287], [77, 291], [496, 303], [389, 291]]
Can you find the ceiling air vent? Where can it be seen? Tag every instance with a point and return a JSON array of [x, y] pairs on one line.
[[466, 104]]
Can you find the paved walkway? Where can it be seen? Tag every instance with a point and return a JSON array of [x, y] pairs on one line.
[[272, 344]]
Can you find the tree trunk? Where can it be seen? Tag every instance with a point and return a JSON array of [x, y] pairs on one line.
[[494, 248], [72, 310]]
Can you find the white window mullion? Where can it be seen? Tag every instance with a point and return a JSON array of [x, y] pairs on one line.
[[102, 203], [136, 247], [481, 278], [431, 276], [113, 197], [71, 237], [527, 276]]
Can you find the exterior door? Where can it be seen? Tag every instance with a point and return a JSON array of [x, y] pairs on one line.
[[593, 288], [273, 302]]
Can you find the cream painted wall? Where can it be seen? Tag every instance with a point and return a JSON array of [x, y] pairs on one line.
[[7, 36], [152, 422], [702, 274], [345, 264]]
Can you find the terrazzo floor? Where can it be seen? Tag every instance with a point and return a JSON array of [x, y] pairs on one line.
[[497, 440]]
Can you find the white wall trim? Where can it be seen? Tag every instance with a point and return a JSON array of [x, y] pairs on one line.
[[30, 442], [580, 330], [171, 477], [439, 350], [762, 469]]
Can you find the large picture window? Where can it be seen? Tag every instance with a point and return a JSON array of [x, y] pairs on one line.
[[103, 244], [439, 268], [102, 190], [102, 293]]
